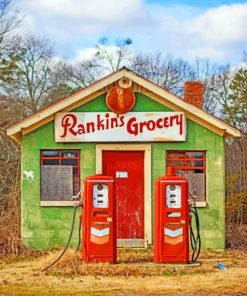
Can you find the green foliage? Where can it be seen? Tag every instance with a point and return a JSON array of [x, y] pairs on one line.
[[236, 109], [9, 65]]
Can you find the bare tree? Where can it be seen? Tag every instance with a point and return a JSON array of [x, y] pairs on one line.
[[79, 75], [10, 112], [9, 20], [107, 58], [9, 151], [167, 72], [216, 93], [216, 79], [32, 79], [112, 57]]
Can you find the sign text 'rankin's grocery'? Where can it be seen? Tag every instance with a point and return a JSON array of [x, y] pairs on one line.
[[109, 127]]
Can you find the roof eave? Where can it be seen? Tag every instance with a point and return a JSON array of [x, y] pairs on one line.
[[227, 130]]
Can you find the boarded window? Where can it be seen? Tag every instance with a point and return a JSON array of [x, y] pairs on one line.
[[191, 165], [56, 182], [60, 174]]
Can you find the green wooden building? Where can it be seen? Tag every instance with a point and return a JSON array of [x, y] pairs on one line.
[[87, 133]]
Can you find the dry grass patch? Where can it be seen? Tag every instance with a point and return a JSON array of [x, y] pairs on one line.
[[72, 277], [27, 255], [137, 263], [126, 255]]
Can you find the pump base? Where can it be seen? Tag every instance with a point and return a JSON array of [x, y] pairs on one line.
[[190, 264]]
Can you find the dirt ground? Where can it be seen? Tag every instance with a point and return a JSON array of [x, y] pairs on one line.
[[133, 275]]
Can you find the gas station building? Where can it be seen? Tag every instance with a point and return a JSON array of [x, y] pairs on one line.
[[129, 128]]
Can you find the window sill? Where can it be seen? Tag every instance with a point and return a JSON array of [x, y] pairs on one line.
[[70, 203], [201, 204], [57, 203]]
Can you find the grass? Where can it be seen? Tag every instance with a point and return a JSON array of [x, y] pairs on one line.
[[21, 275]]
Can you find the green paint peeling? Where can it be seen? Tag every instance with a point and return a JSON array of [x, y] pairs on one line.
[[44, 227]]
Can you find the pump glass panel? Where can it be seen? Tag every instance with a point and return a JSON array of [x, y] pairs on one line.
[[173, 196], [100, 196]]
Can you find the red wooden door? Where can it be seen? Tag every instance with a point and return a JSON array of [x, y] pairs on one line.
[[127, 168]]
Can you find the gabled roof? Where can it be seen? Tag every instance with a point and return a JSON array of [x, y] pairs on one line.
[[92, 91]]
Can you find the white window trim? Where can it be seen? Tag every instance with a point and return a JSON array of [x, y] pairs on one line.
[[200, 204], [57, 203]]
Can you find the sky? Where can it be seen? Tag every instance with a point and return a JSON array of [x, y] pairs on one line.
[[214, 30]]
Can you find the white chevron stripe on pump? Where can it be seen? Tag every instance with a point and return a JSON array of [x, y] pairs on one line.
[[100, 233], [173, 233]]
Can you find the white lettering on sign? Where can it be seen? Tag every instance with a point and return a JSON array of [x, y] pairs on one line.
[[110, 127]]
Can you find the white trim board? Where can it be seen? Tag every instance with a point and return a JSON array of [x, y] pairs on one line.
[[130, 243], [57, 203]]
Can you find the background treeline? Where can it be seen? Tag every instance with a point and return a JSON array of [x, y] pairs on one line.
[[32, 77]]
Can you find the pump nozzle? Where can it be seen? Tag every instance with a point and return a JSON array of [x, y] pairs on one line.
[[77, 199]]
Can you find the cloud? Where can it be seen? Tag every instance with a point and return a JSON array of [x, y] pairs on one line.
[[217, 33], [94, 9], [84, 54], [66, 18], [222, 25]]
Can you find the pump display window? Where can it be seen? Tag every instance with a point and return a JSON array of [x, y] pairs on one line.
[[191, 165], [60, 174]]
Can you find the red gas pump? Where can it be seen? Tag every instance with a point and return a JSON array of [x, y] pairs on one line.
[[171, 229], [99, 229]]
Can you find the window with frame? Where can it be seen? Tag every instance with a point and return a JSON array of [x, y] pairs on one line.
[[191, 165], [60, 174]]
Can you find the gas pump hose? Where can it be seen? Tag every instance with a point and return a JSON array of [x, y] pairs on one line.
[[79, 237], [68, 242], [195, 240]]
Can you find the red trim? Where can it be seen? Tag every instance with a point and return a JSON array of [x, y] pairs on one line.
[[186, 159]]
